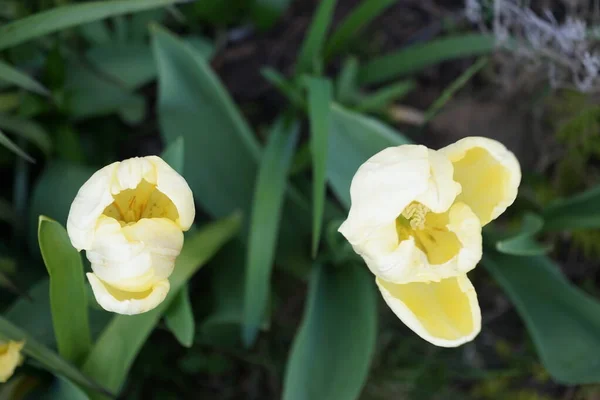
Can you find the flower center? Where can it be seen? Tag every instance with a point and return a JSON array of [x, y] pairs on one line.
[[430, 233], [145, 201], [415, 214]]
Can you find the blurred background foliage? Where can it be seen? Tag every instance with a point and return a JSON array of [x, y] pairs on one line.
[[267, 107]]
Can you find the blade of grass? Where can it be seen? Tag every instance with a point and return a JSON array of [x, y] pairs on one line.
[[414, 58], [346, 88], [267, 204], [118, 345], [20, 79], [360, 16], [29, 130], [10, 145], [47, 358], [384, 96], [454, 87], [309, 59], [67, 291], [53, 20], [319, 106]]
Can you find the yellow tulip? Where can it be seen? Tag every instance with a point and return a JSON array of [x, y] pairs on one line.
[[130, 217], [416, 220], [10, 358]]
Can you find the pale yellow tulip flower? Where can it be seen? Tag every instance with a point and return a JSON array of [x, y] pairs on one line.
[[130, 217], [10, 358], [416, 220]]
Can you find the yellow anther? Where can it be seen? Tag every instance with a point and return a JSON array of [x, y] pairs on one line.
[[415, 214]]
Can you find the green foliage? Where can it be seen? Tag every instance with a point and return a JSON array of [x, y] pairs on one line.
[[267, 204], [67, 291], [563, 321], [332, 350], [116, 349], [319, 105], [310, 56]]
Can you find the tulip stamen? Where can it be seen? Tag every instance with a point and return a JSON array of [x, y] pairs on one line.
[[415, 214]]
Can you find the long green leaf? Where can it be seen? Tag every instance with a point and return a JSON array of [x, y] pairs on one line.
[[419, 56], [309, 59], [29, 130], [179, 318], [332, 350], [10, 145], [319, 106], [174, 154], [577, 212], [46, 357], [265, 13], [116, 349], [454, 87], [14, 76], [67, 291], [523, 243], [352, 140], [63, 389], [384, 96], [264, 224], [220, 151], [59, 18], [563, 321], [351, 26]]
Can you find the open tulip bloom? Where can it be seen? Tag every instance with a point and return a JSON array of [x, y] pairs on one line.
[[10, 358], [416, 220], [130, 217]]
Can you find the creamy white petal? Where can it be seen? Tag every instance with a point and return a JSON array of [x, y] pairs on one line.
[[135, 256], [489, 175], [389, 181], [444, 313], [129, 303], [177, 190], [458, 250], [100, 190]]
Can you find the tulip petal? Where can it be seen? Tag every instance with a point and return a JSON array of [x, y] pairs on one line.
[[488, 173], [389, 181], [10, 358], [444, 313], [129, 303]]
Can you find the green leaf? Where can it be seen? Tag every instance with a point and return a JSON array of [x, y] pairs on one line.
[[46, 357], [346, 83], [221, 152], [10, 145], [264, 223], [64, 389], [67, 291], [179, 318], [46, 200], [29, 130], [14, 76], [59, 18], [221, 327], [33, 314], [174, 154], [265, 13], [332, 350], [523, 243], [414, 58], [577, 212], [454, 87], [563, 321], [384, 96], [351, 26], [352, 140], [319, 106], [116, 349], [287, 88], [309, 59]]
